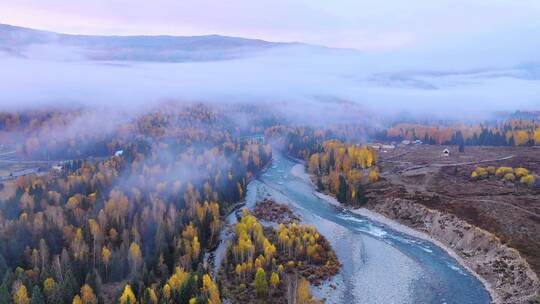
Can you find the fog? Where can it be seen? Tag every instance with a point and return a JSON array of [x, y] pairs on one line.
[[311, 81]]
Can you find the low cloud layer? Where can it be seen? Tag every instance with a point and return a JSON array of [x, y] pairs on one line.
[[307, 79]]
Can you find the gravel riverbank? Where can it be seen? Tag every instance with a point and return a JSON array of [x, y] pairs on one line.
[[299, 171]]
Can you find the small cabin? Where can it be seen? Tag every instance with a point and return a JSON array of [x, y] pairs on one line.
[[445, 152]]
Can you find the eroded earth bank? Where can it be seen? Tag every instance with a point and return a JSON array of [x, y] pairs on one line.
[[482, 222]]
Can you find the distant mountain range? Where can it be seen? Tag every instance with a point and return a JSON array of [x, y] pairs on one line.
[[25, 42]]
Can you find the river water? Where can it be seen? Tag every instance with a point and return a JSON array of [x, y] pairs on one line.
[[380, 265]]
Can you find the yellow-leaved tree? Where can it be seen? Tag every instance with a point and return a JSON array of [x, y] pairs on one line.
[[77, 300], [177, 279], [48, 286], [106, 258], [87, 295], [536, 136], [274, 279], [302, 293], [211, 289], [135, 257], [521, 138], [20, 296]]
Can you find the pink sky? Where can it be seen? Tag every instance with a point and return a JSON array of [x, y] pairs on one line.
[[360, 24]]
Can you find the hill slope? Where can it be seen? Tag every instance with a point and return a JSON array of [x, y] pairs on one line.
[[27, 42]]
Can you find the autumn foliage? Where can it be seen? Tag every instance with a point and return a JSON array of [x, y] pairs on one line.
[[146, 216], [263, 262]]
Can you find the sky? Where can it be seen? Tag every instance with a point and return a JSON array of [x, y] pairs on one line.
[[443, 56], [360, 24]]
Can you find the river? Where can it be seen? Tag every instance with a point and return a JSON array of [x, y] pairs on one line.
[[380, 265]]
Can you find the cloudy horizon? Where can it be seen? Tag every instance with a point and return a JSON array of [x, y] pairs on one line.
[[423, 57]]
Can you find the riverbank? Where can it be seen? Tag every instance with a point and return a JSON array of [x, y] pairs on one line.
[[393, 224], [504, 273], [381, 265], [424, 236]]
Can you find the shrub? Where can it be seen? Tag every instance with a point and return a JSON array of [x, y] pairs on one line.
[[509, 177], [528, 179], [502, 171], [491, 170], [373, 175], [291, 264], [521, 172], [479, 172]]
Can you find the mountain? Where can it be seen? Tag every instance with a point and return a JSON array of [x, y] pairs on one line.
[[27, 42]]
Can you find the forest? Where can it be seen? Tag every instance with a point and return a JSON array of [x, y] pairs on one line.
[[130, 212], [129, 228], [135, 206], [506, 132]]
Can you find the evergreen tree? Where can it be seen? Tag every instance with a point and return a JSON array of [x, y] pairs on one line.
[[320, 184], [7, 281], [361, 198], [3, 264], [37, 296], [4, 294], [68, 287], [187, 291], [204, 228], [331, 160], [342, 192], [460, 141], [57, 296]]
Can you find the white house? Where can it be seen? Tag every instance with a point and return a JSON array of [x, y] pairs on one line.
[[445, 152]]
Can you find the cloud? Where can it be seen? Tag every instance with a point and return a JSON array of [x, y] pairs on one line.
[[435, 58], [299, 79]]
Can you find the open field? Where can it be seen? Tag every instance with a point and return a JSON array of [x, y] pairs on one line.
[[510, 210]]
